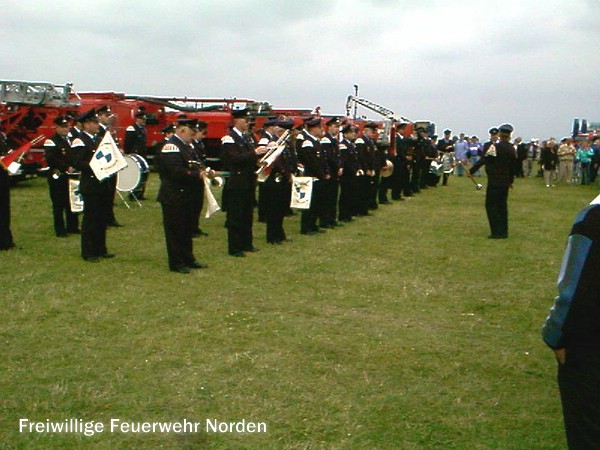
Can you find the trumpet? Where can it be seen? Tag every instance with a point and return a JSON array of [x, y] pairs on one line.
[[271, 156]]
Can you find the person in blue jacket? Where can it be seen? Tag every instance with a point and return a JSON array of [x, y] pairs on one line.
[[572, 330]]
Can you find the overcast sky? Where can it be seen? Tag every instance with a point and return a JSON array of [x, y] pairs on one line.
[[463, 64]]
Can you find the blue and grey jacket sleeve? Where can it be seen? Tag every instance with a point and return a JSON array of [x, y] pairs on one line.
[[577, 298]]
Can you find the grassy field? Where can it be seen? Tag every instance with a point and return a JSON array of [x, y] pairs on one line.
[[405, 330]]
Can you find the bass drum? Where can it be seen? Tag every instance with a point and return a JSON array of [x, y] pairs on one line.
[[133, 177]]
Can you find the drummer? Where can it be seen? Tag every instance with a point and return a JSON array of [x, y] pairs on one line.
[[135, 142]]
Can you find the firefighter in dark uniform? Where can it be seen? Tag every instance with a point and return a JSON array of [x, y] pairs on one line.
[[135, 142], [351, 171], [6, 237], [267, 135], [239, 157], [367, 152], [402, 164], [311, 156], [179, 175], [58, 156], [426, 149], [277, 186], [331, 151], [104, 116], [199, 156], [97, 195], [499, 161]]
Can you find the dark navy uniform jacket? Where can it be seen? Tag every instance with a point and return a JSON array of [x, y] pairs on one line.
[[499, 161], [83, 149], [238, 157], [57, 151], [135, 140], [178, 177]]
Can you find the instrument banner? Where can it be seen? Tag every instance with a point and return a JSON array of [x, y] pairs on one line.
[[75, 198], [211, 202], [301, 192], [107, 159]]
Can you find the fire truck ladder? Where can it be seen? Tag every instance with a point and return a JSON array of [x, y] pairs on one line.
[[381, 110], [38, 94]]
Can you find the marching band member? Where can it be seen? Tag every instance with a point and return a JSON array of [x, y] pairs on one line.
[[239, 157], [179, 176], [57, 152], [499, 167], [331, 150], [267, 135], [97, 195], [350, 172], [199, 155], [365, 146], [277, 187], [104, 117], [313, 160], [135, 142]]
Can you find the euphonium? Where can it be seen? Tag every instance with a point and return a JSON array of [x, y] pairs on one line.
[[271, 156]]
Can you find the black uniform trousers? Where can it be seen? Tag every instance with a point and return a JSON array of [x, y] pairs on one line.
[[496, 207], [96, 210], [240, 210], [6, 238], [349, 189], [277, 204], [363, 195], [196, 206], [579, 384], [374, 183], [308, 219], [385, 183], [331, 187], [65, 221], [178, 224]]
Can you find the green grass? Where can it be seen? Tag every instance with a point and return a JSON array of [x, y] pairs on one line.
[[405, 330]]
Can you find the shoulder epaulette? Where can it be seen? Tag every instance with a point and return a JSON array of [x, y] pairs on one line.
[[343, 147], [325, 140], [307, 143], [130, 128], [49, 143], [263, 141], [359, 141], [170, 148], [227, 140], [77, 143]]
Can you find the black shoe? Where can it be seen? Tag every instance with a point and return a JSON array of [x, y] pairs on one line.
[[274, 242], [74, 232], [197, 265], [252, 250], [108, 255], [115, 224], [386, 202], [199, 233], [93, 259], [238, 254], [62, 235], [321, 231], [498, 236], [181, 270], [308, 233]]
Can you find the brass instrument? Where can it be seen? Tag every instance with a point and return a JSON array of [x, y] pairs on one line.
[[271, 156]]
